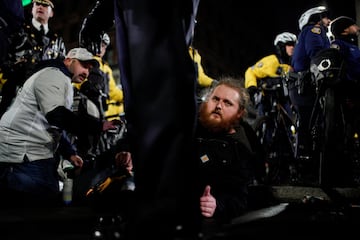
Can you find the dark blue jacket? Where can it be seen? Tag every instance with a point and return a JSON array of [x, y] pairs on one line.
[[311, 39], [351, 54]]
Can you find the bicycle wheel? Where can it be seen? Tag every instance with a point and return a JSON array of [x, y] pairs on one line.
[[265, 129]]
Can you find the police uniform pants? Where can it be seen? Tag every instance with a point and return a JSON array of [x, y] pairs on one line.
[[159, 80]]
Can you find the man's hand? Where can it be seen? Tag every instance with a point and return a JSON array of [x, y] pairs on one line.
[[76, 160], [254, 95], [123, 160], [207, 203], [111, 125]]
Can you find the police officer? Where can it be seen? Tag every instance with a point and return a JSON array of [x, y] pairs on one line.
[[38, 43], [115, 106], [313, 37], [269, 69], [345, 32], [159, 80]]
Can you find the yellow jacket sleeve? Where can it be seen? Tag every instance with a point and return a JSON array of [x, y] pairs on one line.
[[203, 79], [266, 67], [2, 81]]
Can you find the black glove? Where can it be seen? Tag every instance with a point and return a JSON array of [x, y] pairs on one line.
[[252, 90]]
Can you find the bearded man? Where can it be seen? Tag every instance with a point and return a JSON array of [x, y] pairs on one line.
[[229, 154]]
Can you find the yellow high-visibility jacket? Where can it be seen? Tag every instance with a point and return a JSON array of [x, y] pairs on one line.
[[268, 66]]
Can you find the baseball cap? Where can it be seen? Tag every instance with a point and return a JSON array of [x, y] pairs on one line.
[[46, 2], [83, 55]]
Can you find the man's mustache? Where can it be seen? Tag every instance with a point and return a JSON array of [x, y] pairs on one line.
[[217, 111]]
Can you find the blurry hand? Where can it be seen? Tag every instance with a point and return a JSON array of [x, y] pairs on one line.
[[76, 160], [124, 160], [207, 203], [109, 125]]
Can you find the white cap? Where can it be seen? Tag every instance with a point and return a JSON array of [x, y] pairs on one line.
[[83, 55]]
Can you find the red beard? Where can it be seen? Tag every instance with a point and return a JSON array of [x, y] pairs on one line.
[[218, 124]]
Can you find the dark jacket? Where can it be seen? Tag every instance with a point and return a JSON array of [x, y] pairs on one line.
[[311, 40], [351, 53], [227, 163]]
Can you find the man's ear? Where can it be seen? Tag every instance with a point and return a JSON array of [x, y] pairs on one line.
[[51, 13], [67, 61], [240, 113]]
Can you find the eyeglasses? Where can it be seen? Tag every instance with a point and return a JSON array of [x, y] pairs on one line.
[[41, 4]]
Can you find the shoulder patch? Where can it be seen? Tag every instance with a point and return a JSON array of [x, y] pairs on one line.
[[334, 45], [260, 64], [316, 30]]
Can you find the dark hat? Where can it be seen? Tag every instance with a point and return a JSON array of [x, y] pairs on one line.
[[339, 24], [46, 2]]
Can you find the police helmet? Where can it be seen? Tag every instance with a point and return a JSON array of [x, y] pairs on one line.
[[105, 39], [338, 25], [285, 37], [309, 15]]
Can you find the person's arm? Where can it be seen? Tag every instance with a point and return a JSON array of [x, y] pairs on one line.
[[316, 41], [100, 19], [64, 118], [251, 84], [250, 78], [207, 203], [69, 151], [66, 149], [203, 79]]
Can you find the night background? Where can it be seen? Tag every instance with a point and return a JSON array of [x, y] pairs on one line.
[[231, 35]]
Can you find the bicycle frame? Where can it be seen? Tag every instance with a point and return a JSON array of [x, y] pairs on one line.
[[276, 131]]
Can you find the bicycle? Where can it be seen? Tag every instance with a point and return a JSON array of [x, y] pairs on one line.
[[335, 139], [276, 130]]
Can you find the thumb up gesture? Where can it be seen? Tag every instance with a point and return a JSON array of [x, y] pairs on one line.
[[207, 203]]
